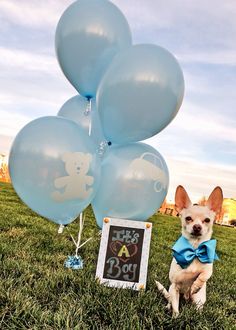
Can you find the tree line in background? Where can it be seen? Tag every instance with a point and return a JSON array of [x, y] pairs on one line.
[[4, 172]]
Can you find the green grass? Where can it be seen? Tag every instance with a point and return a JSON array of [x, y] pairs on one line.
[[37, 292]]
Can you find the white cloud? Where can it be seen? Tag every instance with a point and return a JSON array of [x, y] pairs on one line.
[[37, 14], [25, 60], [171, 13], [195, 31], [31, 83], [194, 131], [196, 82], [200, 178], [5, 144], [140, 14], [12, 122], [188, 144], [198, 122], [222, 57]]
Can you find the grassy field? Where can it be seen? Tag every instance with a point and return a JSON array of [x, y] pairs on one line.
[[37, 292]]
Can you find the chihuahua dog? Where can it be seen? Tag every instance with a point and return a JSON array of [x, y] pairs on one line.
[[194, 251]]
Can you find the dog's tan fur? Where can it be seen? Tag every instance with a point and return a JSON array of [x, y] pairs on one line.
[[191, 281]]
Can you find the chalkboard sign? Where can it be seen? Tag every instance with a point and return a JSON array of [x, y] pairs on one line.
[[124, 252]]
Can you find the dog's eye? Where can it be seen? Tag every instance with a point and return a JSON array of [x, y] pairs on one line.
[[207, 220], [188, 219]]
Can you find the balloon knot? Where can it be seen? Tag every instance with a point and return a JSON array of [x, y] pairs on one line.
[[103, 147], [88, 107]]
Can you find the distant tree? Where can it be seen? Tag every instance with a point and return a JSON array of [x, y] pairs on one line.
[[220, 215], [4, 173], [233, 222], [202, 201], [163, 206]]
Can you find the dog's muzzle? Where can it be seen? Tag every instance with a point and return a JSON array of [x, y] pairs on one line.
[[197, 230]]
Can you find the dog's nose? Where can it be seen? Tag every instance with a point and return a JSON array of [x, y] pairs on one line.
[[197, 228]]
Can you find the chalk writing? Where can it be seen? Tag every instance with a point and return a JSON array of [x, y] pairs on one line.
[[123, 255], [126, 236], [115, 270]]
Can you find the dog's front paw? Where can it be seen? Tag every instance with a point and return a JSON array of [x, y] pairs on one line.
[[175, 314]]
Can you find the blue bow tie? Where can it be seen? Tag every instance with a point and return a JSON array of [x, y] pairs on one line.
[[184, 252]]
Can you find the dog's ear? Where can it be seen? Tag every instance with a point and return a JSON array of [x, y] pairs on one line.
[[182, 201], [215, 200]]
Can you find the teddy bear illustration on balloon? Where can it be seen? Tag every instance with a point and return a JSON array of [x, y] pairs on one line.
[[76, 183]]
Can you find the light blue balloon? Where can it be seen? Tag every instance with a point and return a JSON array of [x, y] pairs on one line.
[[54, 168], [78, 109], [134, 183], [88, 35], [140, 93], [96, 131]]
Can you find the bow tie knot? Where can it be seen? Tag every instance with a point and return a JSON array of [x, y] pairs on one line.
[[197, 253], [184, 253]]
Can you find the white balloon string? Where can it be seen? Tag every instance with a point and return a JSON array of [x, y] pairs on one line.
[[81, 225], [74, 241], [90, 111], [85, 242], [87, 112], [77, 243], [88, 107]]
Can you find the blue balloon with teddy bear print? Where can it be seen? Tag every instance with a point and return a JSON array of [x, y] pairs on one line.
[[54, 168]]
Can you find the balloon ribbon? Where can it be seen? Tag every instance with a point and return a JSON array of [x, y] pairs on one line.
[[76, 262]]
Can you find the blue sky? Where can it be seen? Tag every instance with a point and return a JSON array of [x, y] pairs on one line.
[[200, 144]]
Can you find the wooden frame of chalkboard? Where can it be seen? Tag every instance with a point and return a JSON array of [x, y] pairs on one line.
[[123, 254]]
